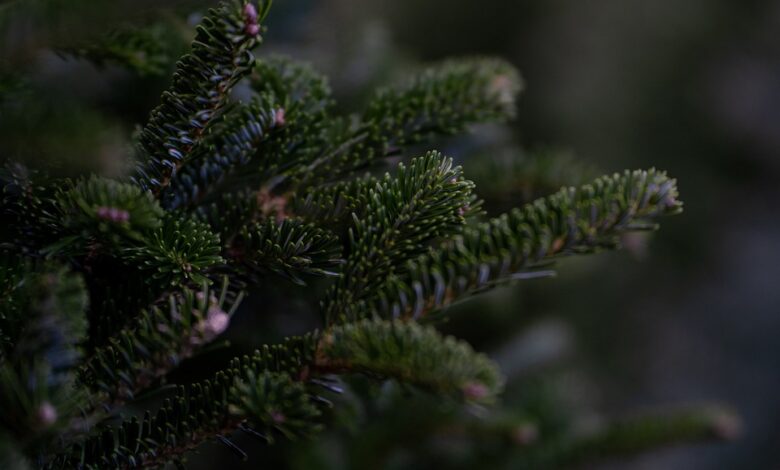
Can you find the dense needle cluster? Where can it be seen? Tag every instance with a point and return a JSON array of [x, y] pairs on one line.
[[109, 284]]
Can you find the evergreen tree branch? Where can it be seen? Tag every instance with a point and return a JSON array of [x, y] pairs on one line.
[[289, 249], [100, 212], [177, 253], [412, 354], [284, 125], [233, 142], [633, 436], [157, 341], [507, 176], [333, 205], [266, 394], [220, 56], [37, 370], [400, 215], [258, 395], [144, 50], [509, 247], [27, 209], [442, 100], [305, 98]]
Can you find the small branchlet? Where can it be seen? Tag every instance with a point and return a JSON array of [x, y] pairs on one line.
[[220, 57], [514, 245], [398, 218]]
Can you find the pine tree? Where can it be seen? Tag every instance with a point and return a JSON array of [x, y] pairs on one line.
[[109, 284]]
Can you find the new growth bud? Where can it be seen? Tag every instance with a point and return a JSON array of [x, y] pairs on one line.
[[251, 27], [112, 214], [47, 414]]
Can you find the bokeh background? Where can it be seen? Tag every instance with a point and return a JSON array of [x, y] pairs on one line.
[[687, 315]]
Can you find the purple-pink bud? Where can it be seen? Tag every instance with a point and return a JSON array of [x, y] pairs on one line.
[[250, 20], [250, 12], [279, 117], [216, 322], [112, 214], [252, 29], [278, 417], [47, 414], [475, 391]]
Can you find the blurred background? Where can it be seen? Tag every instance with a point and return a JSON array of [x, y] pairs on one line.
[[687, 315]]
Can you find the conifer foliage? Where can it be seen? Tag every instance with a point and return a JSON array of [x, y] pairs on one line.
[[109, 284]]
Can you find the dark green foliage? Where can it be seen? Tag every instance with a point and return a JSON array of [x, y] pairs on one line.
[[220, 57], [108, 286], [507, 175], [43, 322], [629, 437], [27, 211], [398, 217], [232, 144], [287, 248], [157, 341], [143, 50], [274, 403], [256, 395], [304, 96], [513, 245], [107, 211], [177, 252], [442, 100], [13, 270], [412, 354]]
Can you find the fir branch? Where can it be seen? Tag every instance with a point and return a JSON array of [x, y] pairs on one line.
[[144, 50], [230, 212], [104, 211], [442, 100], [220, 57], [412, 354], [14, 270], [27, 209], [633, 436], [232, 143], [273, 402], [572, 221], [283, 126], [36, 375], [178, 252], [305, 98], [425, 200], [506, 176], [248, 395], [289, 248], [266, 394], [332, 205], [157, 341]]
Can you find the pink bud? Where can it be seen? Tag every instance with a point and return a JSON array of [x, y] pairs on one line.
[[217, 321], [47, 414], [250, 20], [279, 117], [252, 29], [278, 417], [112, 214], [250, 12], [475, 391]]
